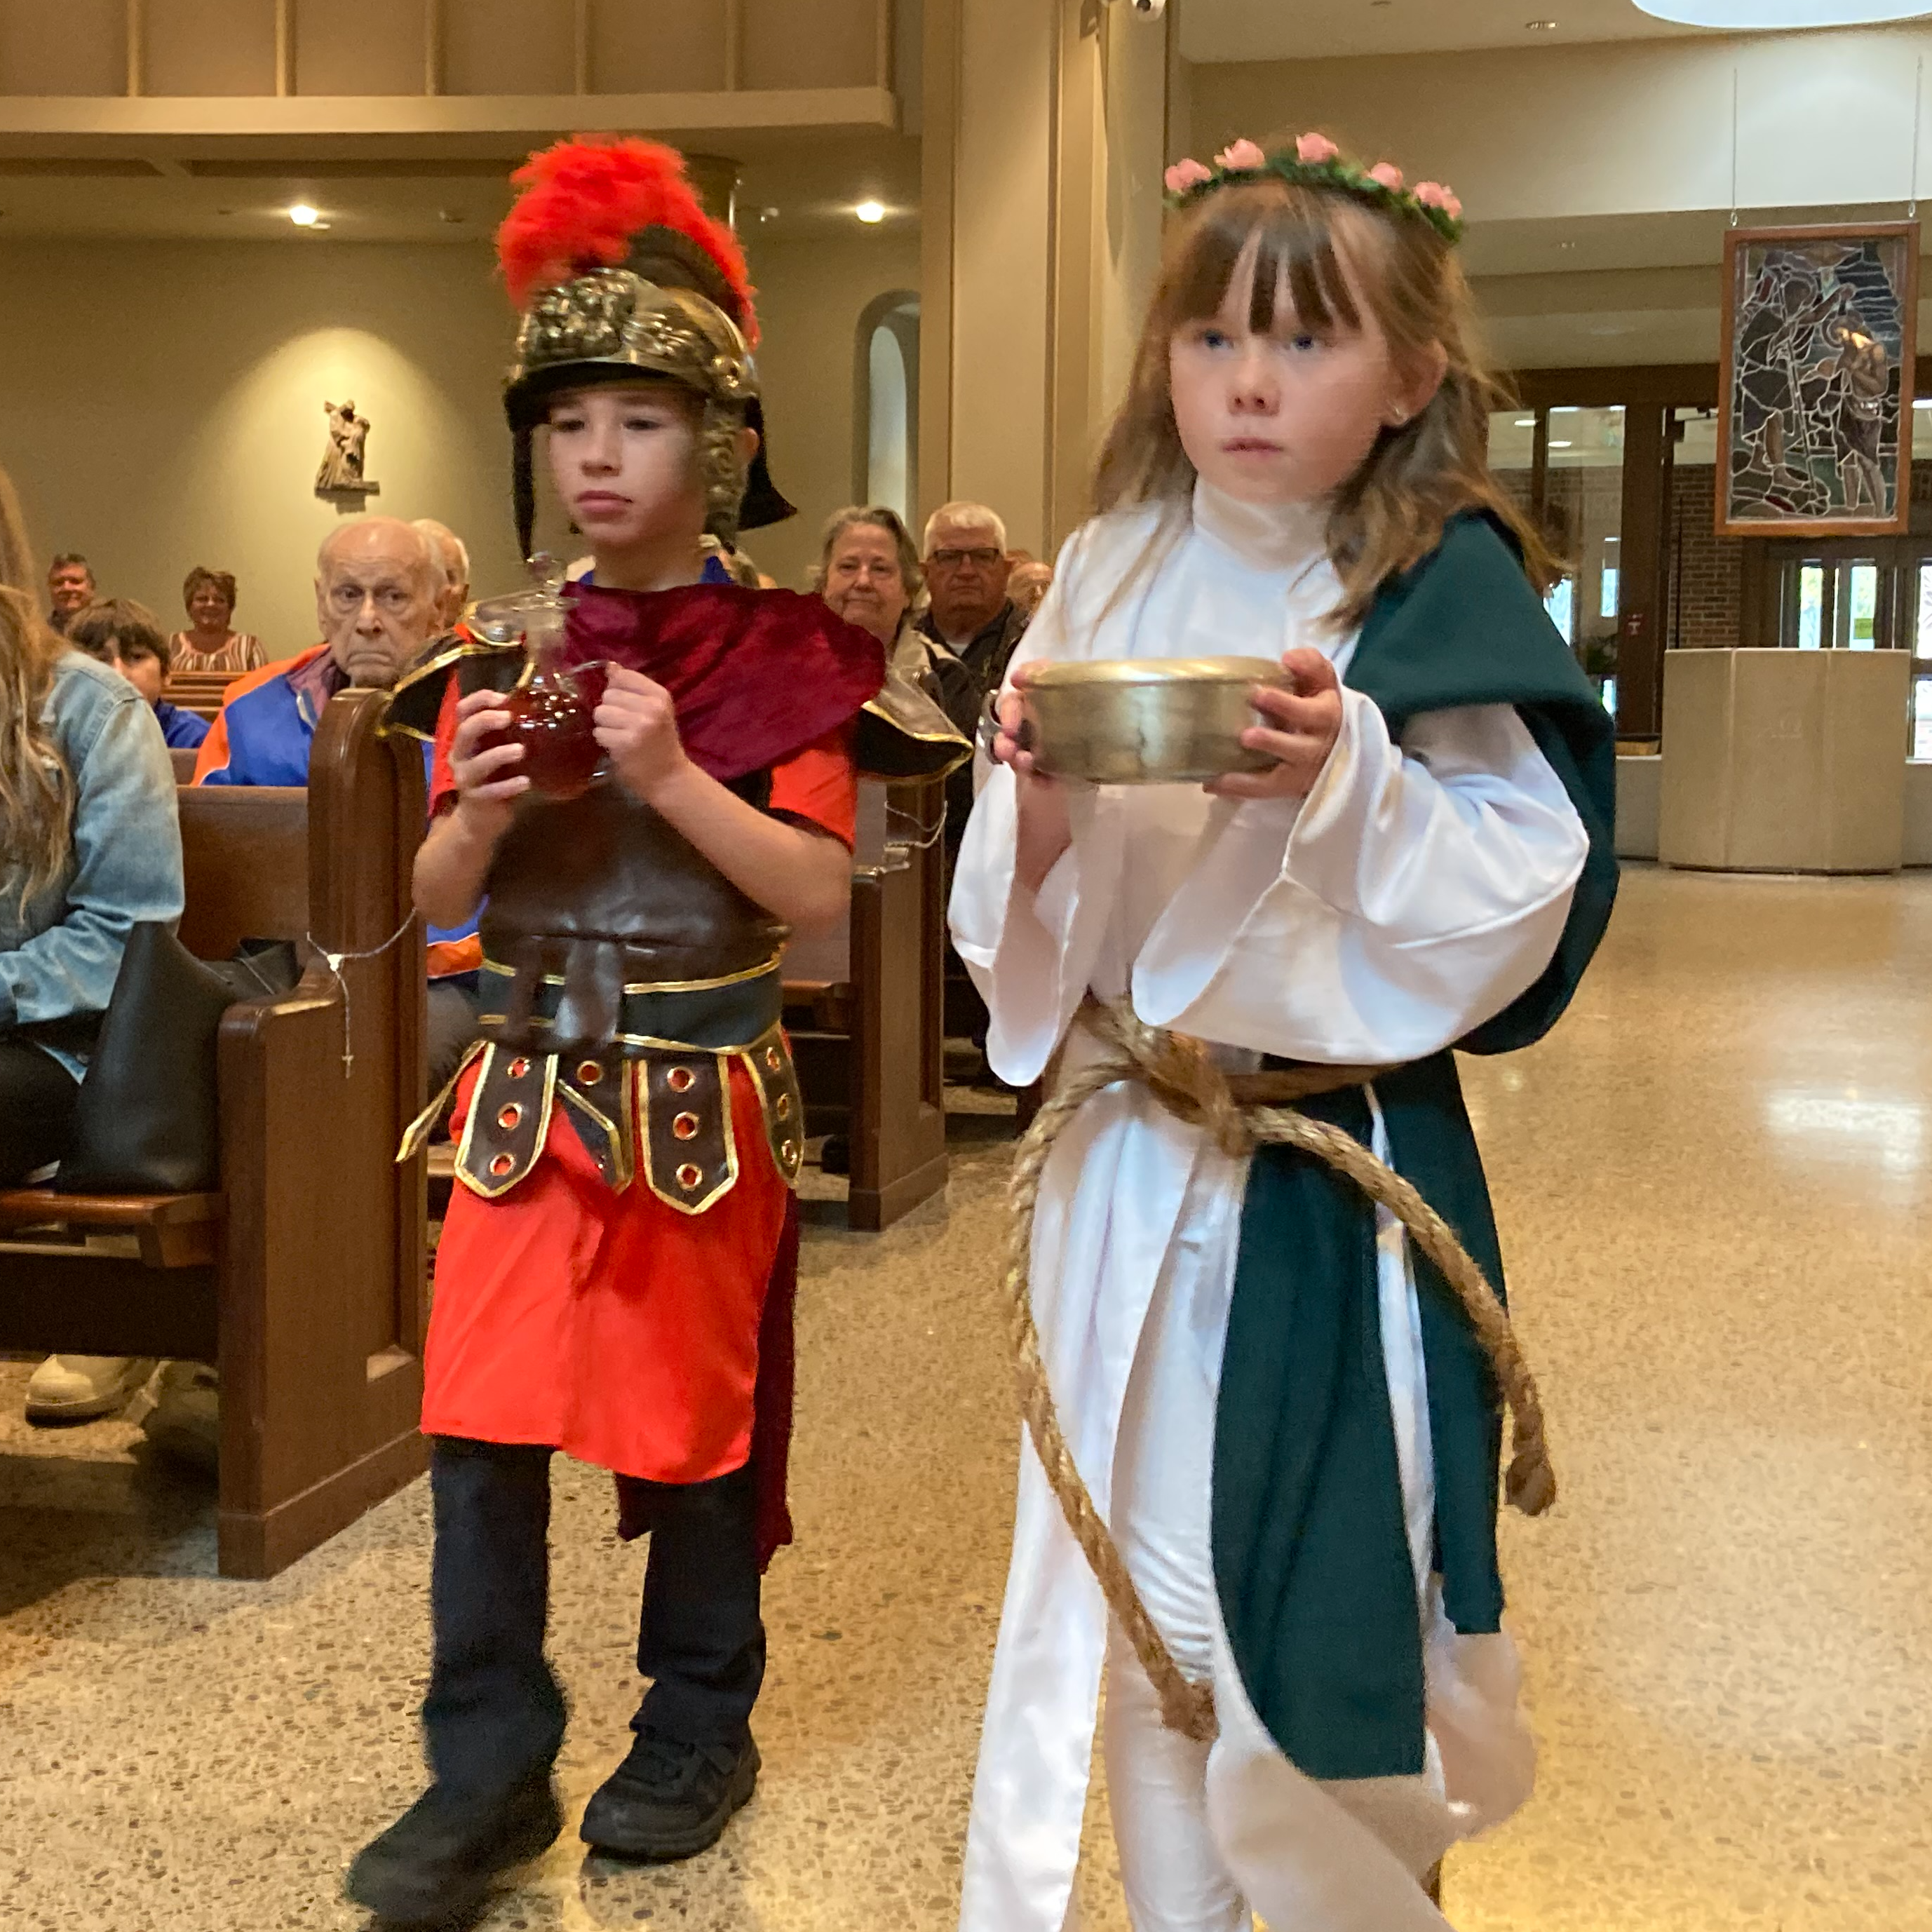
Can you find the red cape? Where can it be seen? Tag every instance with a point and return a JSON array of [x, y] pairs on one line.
[[755, 675]]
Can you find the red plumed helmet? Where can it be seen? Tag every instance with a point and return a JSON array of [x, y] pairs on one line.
[[583, 202]]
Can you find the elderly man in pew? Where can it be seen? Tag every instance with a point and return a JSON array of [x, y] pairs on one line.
[[89, 845], [380, 591]]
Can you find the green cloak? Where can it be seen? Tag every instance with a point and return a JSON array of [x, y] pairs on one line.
[[1311, 1554]]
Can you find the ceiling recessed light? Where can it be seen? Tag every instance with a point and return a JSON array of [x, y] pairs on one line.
[[871, 212], [1525, 422], [1561, 446], [303, 216], [1540, 26], [768, 214]]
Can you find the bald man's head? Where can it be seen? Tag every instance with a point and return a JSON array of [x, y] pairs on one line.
[[376, 582], [453, 562]]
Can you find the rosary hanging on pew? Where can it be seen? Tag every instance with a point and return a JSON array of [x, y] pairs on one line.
[[335, 961]]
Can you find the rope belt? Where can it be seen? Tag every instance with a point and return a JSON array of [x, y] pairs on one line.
[[1238, 1113]]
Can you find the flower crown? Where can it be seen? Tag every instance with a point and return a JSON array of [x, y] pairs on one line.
[[1316, 162]]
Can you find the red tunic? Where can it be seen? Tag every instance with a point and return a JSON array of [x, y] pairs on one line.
[[614, 1327]]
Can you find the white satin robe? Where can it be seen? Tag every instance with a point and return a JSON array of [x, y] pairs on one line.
[[1418, 890]]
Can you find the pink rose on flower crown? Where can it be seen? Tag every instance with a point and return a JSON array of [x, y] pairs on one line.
[[1186, 175], [1388, 174], [1433, 194], [1452, 203], [1314, 149], [1240, 154]]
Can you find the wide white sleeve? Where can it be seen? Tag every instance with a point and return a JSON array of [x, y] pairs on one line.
[[1032, 955], [1417, 891]]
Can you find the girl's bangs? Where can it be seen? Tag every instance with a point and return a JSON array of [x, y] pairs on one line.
[[1291, 231]]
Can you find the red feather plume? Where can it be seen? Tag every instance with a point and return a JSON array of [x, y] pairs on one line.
[[582, 201]]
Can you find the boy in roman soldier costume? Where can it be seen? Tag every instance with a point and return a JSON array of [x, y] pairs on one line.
[[616, 1273]]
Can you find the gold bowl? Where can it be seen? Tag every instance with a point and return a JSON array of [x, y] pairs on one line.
[[1146, 721]]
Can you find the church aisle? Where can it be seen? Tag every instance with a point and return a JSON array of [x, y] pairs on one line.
[[1713, 1183]]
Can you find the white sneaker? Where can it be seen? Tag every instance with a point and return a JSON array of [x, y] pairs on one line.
[[79, 1388], [184, 1415]]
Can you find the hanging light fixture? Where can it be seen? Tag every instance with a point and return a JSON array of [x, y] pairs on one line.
[[1743, 16]]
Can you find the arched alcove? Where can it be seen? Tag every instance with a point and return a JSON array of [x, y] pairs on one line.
[[885, 397]]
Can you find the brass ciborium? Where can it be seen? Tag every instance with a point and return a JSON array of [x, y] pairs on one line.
[[1146, 721]]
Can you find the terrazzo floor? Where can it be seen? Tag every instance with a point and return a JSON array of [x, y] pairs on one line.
[[1713, 1184]]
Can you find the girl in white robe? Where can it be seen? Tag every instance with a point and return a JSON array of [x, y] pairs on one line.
[[1298, 472]]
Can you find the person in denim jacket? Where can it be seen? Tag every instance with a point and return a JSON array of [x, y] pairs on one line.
[[89, 845]]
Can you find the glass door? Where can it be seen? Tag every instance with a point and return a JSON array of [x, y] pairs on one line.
[[1869, 594], [1563, 466]]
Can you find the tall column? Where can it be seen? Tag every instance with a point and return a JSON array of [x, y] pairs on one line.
[[1044, 138]]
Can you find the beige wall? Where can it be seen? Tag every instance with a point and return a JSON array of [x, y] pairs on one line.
[[1630, 127], [160, 407], [810, 294], [1045, 133], [160, 404]]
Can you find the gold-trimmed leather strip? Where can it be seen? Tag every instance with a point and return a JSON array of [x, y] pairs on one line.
[[780, 1101], [492, 1187], [773, 965], [665, 1186], [417, 1133]]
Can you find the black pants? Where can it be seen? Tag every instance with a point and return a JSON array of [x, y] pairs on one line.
[[36, 1101], [494, 1714]]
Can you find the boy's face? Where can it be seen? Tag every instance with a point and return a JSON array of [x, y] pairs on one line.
[[140, 667], [1287, 416], [624, 458]]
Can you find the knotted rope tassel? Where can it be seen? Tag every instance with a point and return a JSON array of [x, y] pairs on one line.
[[1238, 1116]]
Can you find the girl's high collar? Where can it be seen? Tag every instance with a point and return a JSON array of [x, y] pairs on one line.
[[1264, 536]]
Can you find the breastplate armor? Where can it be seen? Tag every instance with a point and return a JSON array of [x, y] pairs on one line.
[[623, 975]]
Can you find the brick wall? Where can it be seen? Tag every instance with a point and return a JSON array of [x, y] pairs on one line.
[[1705, 568]]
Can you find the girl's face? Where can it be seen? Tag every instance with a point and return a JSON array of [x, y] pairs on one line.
[[1286, 415], [624, 459]]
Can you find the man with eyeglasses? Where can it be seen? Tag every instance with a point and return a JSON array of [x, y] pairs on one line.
[[377, 586], [966, 570], [379, 592]]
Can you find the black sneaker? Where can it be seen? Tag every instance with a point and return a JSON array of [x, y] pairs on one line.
[[669, 1799], [435, 1864]]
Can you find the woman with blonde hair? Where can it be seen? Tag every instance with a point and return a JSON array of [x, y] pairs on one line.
[[89, 846]]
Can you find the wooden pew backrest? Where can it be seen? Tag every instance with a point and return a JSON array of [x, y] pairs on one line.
[[199, 691], [245, 851]]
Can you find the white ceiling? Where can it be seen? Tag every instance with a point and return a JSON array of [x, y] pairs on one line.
[[1274, 30]]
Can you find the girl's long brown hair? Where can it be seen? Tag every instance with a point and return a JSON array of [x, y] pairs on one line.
[[36, 788], [1333, 254]]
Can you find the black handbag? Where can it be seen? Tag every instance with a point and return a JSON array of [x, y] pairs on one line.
[[145, 1121]]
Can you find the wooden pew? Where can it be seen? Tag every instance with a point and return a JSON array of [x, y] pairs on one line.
[[303, 1279], [200, 690], [864, 1004]]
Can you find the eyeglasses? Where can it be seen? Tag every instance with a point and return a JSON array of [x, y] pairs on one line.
[[951, 559]]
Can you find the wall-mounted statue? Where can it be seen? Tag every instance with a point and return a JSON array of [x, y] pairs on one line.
[[342, 471]]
